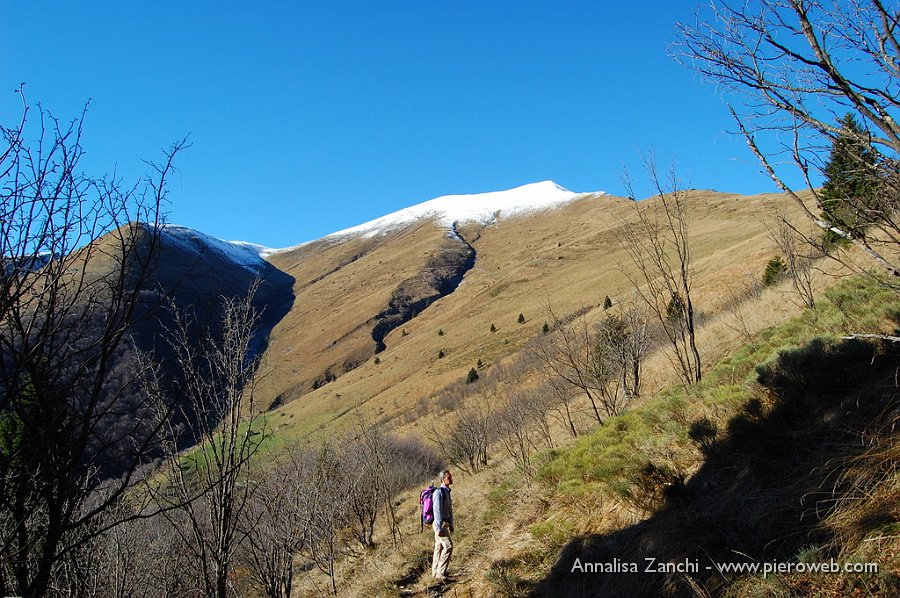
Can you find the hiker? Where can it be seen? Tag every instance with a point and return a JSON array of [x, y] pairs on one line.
[[443, 527]]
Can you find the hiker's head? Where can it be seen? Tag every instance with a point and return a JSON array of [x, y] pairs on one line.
[[446, 477]]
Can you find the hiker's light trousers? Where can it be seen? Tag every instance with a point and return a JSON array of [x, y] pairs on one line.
[[443, 548]]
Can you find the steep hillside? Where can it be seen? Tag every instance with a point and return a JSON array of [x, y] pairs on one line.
[[191, 273], [361, 285], [569, 257]]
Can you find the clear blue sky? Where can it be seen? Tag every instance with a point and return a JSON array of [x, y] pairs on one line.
[[308, 117]]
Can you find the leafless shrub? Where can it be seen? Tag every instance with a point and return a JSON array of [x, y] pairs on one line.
[[521, 425], [209, 485], [465, 442], [658, 245], [746, 287], [140, 557], [561, 396], [799, 255], [326, 498], [274, 524], [566, 354]]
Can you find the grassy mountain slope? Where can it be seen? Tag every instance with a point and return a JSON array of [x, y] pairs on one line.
[[569, 258]]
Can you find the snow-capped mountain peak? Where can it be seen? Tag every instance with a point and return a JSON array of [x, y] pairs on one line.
[[481, 207], [445, 211]]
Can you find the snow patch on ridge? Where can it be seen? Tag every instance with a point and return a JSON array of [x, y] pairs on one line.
[[247, 255]]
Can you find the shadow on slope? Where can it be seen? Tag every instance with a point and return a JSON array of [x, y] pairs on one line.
[[783, 465], [192, 279]]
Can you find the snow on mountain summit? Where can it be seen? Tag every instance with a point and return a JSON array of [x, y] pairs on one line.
[[481, 207], [445, 211]]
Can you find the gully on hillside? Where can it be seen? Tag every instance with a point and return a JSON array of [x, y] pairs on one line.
[[442, 274]]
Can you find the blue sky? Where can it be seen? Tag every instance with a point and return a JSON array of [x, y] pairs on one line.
[[308, 117]]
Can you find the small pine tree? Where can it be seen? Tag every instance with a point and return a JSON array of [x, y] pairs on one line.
[[607, 303], [440, 332], [775, 269], [472, 376], [404, 332], [441, 354], [521, 319], [675, 308], [493, 328], [377, 360], [479, 365], [545, 329]]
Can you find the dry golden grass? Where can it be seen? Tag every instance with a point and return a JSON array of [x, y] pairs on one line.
[[569, 258]]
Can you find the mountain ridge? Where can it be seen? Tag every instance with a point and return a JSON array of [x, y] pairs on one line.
[[446, 211]]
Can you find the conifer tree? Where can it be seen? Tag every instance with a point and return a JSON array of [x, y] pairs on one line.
[[775, 269], [847, 197]]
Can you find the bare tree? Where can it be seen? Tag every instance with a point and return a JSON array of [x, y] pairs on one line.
[[746, 286], [659, 247], [561, 396], [515, 431], [465, 442], [139, 557], [364, 463], [620, 345], [515, 422], [799, 256], [797, 68], [275, 523], [76, 256], [567, 355], [326, 501], [538, 404], [638, 343], [217, 392]]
